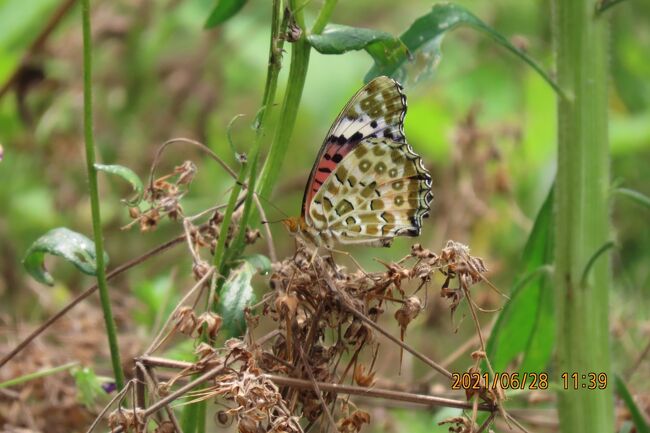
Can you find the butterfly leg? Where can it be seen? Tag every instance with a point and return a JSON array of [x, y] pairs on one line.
[[345, 253], [313, 256]]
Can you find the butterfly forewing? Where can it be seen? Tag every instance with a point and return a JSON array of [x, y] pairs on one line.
[[378, 191], [376, 111]]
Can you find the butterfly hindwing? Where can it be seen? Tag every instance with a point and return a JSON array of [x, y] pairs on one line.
[[378, 191], [375, 111]]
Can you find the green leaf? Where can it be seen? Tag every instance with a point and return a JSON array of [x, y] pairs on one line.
[[526, 323], [603, 5], [72, 246], [89, 386], [636, 196], [637, 417], [260, 262], [157, 297], [424, 38], [338, 39], [128, 175], [236, 294], [223, 11]]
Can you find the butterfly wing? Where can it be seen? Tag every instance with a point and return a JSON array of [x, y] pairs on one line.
[[377, 110], [379, 190]]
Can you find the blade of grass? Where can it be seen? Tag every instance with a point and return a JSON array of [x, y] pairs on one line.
[[37, 374], [637, 416]]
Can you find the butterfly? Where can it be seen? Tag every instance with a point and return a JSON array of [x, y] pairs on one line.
[[367, 184]]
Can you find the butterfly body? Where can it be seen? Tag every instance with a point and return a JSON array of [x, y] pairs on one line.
[[367, 185]]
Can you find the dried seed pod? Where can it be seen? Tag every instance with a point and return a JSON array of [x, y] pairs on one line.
[[354, 422], [217, 218], [286, 305], [212, 323], [185, 320], [126, 419], [187, 171], [252, 236], [363, 379], [149, 220], [204, 350], [478, 354], [200, 268], [409, 311], [222, 418], [165, 427]]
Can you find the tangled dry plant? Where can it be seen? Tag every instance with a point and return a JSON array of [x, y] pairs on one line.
[[325, 330], [325, 322]]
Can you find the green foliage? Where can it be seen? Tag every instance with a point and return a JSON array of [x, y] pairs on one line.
[[36, 375], [260, 262], [128, 175], [635, 196], [424, 37], [158, 298], [177, 79], [89, 386], [637, 415], [19, 26], [223, 11], [62, 242], [339, 39], [237, 293], [526, 323]]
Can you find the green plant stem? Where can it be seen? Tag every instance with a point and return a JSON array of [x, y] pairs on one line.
[[278, 26], [300, 51], [111, 330], [296, 82], [323, 16], [581, 209], [37, 374], [220, 249], [193, 419]]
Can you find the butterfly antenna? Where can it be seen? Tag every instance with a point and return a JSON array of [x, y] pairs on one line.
[[242, 200], [272, 205], [272, 222]]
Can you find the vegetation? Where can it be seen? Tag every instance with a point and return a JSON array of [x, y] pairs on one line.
[[173, 137]]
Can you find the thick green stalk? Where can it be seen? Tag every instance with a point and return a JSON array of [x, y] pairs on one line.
[[94, 197], [295, 84], [278, 27], [582, 214]]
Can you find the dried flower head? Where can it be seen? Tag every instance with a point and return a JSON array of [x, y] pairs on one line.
[[185, 320], [208, 322]]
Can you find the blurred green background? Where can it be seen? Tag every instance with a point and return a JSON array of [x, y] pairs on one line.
[[484, 123]]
